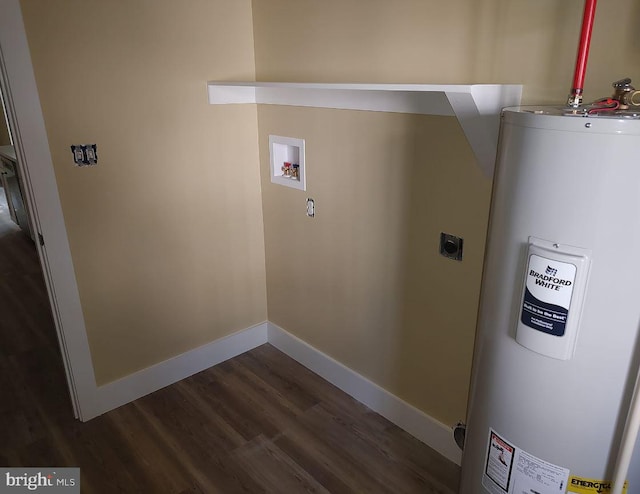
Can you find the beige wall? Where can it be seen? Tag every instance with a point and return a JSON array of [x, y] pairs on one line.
[[456, 42], [166, 232], [363, 281]]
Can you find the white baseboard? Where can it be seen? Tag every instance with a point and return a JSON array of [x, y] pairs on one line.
[[417, 423], [141, 383], [420, 425]]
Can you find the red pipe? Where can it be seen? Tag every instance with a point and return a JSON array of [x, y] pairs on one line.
[[588, 17]]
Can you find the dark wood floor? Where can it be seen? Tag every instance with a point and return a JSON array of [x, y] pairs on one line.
[[257, 423]]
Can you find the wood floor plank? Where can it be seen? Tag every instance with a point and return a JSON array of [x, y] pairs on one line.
[[240, 410], [105, 460], [325, 392], [322, 468], [275, 412], [225, 436], [335, 470], [278, 378], [149, 451], [274, 470], [209, 466], [370, 454]]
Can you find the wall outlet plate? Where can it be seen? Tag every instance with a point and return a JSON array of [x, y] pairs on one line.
[[85, 154], [451, 246]]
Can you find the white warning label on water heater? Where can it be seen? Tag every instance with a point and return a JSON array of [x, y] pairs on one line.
[[499, 465], [534, 475], [511, 470], [547, 294]]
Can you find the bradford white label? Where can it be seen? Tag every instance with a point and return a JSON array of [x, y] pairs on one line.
[[547, 294]]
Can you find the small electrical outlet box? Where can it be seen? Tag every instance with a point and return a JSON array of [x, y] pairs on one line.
[[451, 246], [85, 154], [311, 208]]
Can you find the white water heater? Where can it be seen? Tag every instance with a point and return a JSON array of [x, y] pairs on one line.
[[557, 348]]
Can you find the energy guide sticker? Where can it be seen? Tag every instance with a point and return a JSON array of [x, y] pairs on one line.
[[581, 485], [511, 470]]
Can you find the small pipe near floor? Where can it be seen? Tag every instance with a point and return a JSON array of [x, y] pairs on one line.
[[629, 437]]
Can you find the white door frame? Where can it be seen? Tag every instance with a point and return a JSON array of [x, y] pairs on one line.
[[35, 166]]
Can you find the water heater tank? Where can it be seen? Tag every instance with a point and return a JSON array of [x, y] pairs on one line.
[[557, 347]]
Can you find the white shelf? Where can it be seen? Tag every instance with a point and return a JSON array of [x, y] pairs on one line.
[[476, 106]]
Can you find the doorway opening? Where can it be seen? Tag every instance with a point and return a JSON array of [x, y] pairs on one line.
[[36, 178], [27, 332]]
